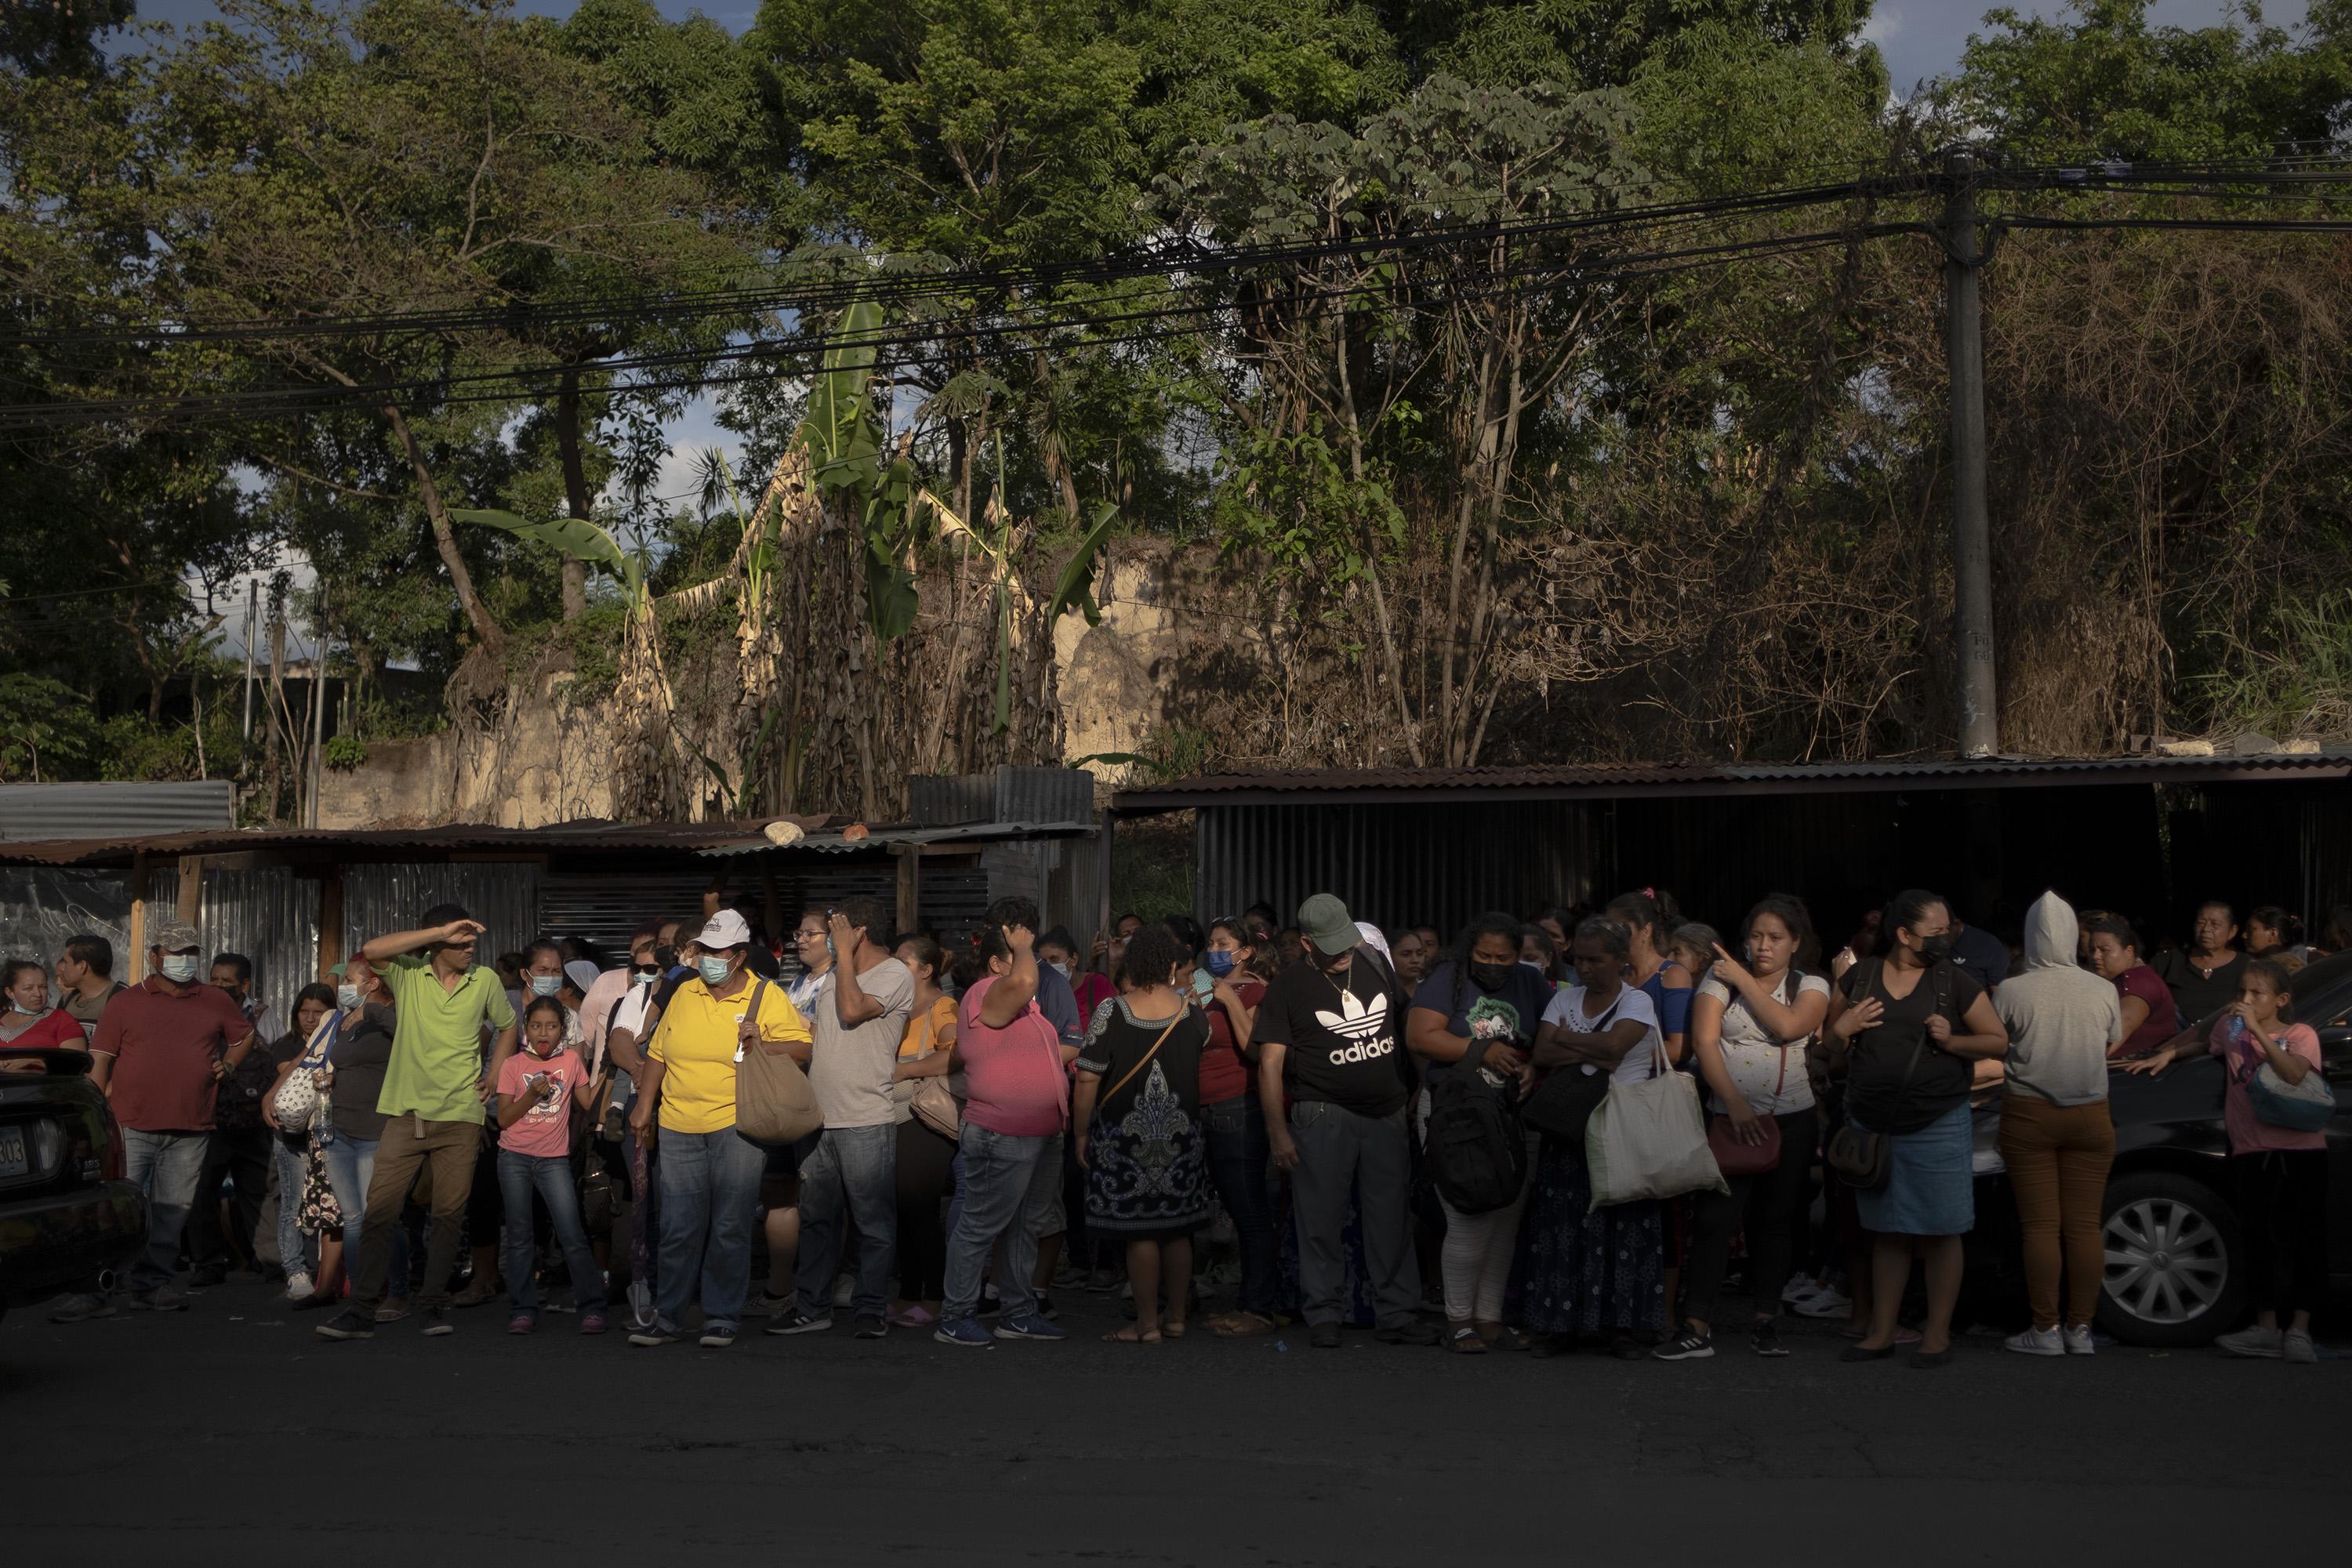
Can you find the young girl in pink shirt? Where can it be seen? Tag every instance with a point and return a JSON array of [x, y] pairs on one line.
[[538, 1086]]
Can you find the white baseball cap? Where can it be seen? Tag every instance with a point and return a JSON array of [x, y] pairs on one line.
[[582, 974], [726, 929]]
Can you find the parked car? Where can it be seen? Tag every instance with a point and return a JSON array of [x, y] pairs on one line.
[[2175, 1270], [67, 1215]]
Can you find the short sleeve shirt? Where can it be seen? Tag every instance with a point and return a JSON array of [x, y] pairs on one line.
[[164, 1047], [2249, 1133], [1341, 1044], [1769, 1075], [544, 1131], [853, 1066], [54, 1029], [2161, 1022], [2199, 992], [1012, 1073], [1572, 1009], [697, 1044], [436, 1044], [1890, 1088]]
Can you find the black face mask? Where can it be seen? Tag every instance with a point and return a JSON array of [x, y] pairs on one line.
[[1937, 947], [1491, 977], [666, 957]]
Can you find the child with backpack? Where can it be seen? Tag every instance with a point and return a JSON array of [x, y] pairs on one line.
[[538, 1087]]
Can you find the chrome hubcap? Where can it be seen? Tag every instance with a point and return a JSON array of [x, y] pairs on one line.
[[2166, 1262]]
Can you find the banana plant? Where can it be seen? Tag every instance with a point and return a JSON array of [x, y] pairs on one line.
[[849, 468], [572, 536]]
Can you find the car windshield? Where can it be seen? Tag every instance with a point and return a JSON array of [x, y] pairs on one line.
[[2322, 995]]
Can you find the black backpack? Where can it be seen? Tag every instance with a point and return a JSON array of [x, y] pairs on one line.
[[1477, 1150]]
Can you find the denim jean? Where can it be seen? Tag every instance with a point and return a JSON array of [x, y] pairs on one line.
[[350, 1165], [167, 1165], [293, 1169], [1238, 1152], [1009, 1186], [709, 1202], [852, 1171], [550, 1175]]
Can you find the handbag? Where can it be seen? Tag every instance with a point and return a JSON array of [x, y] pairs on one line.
[[298, 1104], [1648, 1139], [1861, 1158], [1564, 1101], [2305, 1107], [773, 1101], [1736, 1157]]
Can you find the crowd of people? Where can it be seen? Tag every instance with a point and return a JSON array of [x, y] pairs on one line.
[[1319, 1114]]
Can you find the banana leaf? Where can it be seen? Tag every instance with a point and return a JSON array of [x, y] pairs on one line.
[[572, 536], [1075, 587]]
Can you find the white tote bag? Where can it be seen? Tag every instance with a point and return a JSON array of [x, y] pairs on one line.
[[1648, 1139]]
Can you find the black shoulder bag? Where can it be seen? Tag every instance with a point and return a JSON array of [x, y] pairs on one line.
[[1568, 1096], [1859, 1158]]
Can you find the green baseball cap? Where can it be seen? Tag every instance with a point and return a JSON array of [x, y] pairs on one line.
[[1324, 920]]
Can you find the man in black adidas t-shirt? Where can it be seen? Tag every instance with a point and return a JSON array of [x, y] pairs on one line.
[[1331, 1030]]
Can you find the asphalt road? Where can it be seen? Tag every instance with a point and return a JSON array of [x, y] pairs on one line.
[[230, 1434]]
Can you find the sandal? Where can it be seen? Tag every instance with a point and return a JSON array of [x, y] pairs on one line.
[[1128, 1336], [1507, 1339], [1172, 1328], [1241, 1326], [1464, 1340]]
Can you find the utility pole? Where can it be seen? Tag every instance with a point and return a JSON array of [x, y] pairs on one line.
[[1979, 711], [318, 712], [252, 615]]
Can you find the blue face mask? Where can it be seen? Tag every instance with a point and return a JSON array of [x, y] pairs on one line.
[[1217, 962], [714, 970], [546, 985], [347, 997], [179, 968]]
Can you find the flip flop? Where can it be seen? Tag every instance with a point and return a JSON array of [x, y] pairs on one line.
[[1173, 1330], [1241, 1326], [1128, 1336]]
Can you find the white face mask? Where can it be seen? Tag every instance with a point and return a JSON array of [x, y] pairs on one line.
[[347, 997], [546, 985], [1061, 969], [179, 968], [33, 1012]]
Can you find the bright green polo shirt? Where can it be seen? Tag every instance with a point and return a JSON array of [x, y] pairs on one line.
[[437, 1046]]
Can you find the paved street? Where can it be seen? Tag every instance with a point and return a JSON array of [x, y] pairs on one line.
[[182, 1439]]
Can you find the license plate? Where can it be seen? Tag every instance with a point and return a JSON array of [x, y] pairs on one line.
[[13, 1159]]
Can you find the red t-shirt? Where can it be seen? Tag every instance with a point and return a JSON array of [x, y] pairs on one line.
[[1015, 1079], [2140, 981], [53, 1029], [164, 1047], [1224, 1071]]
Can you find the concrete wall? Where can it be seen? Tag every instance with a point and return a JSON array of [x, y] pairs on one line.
[[546, 763]]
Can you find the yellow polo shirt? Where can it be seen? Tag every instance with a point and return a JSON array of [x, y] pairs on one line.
[[696, 1045]]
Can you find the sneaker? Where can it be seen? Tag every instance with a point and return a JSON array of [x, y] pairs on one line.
[[435, 1324], [1689, 1344], [1798, 1289], [1420, 1332], [717, 1336], [845, 1290], [801, 1323], [2036, 1342], [654, 1333], [81, 1309], [298, 1287], [1032, 1326], [2264, 1344], [1046, 1306], [161, 1298], [521, 1323], [866, 1326], [351, 1323], [592, 1322], [965, 1333], [1324, 1336], [1765, 1340], [914, 1315], [1829, 1302], [2296, 1346], [771, 1305], [2078, 1340]]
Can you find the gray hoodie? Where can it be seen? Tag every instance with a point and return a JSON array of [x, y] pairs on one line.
[[2061, 1017]]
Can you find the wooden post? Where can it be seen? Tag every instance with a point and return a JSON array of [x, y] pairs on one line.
[[330, 922], [191, 888], [137, 969], [910, 885]]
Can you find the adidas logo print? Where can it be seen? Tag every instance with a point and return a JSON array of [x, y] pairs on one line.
[[1364, 1028]]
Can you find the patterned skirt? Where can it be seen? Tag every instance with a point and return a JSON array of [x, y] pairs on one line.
[[1148, 1172], [1587, 1270], [319, 1215]]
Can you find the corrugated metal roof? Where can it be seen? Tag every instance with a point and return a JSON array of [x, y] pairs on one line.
[[54, 811], [834, 843], [1604, 779]]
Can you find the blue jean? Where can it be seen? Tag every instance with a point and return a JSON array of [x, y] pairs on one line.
[[1009, 1186], [1238, 1152], [852, 1171], [518, 1176], [350, 1166], [168, 1166], [709, 1198], [293, 1170]]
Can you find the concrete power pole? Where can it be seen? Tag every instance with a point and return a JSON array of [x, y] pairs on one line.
[[1979, 711], [252, 616]]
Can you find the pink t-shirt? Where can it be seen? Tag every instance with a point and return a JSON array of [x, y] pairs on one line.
[[2248, 1133], [1013, 1076], [545, 1129]]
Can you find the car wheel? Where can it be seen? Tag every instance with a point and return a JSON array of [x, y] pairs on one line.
[[2174, 1261]]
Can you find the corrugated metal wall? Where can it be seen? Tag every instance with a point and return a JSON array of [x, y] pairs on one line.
[[270, 915], [1398, 865], [605, 909], [40, 906], [379, 899], [32, 812]]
